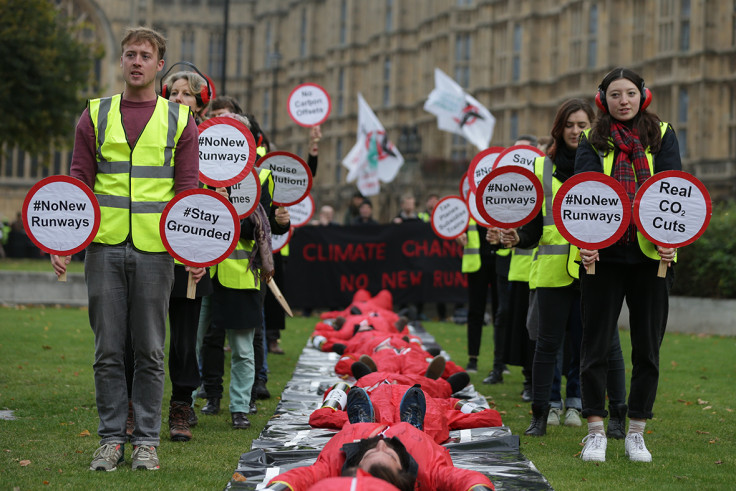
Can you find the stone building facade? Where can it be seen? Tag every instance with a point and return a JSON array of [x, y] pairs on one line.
[[520, 58]]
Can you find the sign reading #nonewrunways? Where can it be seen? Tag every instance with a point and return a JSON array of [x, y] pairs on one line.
[[61, 215], [509, 196], [309, 105], [199, 227], [227, 151], [482, 165]]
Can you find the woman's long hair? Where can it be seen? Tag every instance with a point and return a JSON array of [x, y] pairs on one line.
[[645, 123], [567, 108]]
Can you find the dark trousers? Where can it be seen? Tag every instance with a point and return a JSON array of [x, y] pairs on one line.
[[559, 313], [479, 283], [183, 366], [213, 361], [602, 295]]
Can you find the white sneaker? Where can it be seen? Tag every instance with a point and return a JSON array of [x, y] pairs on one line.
[[554, 417], [572, 417], [595, 447], [636, 451]]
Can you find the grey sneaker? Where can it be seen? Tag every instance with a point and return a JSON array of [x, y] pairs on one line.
[[572, 417], [144, 457], [555, 417], [108, 457]]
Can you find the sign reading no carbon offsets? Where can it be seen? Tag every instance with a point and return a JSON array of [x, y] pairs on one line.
[[61, 215], [309, 105]]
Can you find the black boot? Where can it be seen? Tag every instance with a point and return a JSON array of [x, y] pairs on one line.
[[538, 426], [616, 421]]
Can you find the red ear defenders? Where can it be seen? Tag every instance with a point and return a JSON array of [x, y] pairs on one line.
[[644, 101], [208, 90]]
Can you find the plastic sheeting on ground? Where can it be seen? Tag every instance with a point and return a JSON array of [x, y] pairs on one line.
[[288, 441]]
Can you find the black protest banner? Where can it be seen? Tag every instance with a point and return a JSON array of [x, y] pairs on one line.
[[327, 265]]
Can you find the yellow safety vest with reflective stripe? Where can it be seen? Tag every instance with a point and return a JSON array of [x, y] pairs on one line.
[[649, 249], [521, 263], [133, 186], [424, 216], [556, 266], [471, 251], [233, 271]]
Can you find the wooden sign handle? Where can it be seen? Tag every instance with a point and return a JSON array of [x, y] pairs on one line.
[[191, 287], [62, 276], [591, 268], [662, 271], [277, 293]]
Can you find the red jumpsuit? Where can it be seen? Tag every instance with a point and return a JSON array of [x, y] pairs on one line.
[[435, 468], [440, 418]]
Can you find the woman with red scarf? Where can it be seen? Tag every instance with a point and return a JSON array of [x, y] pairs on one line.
[[630, 144]]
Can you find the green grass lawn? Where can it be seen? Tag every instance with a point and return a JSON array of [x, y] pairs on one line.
[[46, 379]]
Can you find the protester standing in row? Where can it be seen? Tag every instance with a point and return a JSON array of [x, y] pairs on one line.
[[117, 139], [631, 144]]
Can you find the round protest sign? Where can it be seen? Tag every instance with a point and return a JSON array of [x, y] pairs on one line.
[[672, 209], [473, 210], [481, 165], [227, 151], [199, 227], [309, 105], [521, 155], [509, 196], [591, 210], [278, 242], [302, 212], [291, 176], [464, 186], [450, 217], [61, 215], [246, 194]]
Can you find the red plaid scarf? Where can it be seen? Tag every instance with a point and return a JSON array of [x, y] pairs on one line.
[[631, 167]]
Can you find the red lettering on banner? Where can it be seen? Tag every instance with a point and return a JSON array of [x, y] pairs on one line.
[[415, 278], [353, 282], [369, 251], [442, 279], [401, 279], [432, 248]]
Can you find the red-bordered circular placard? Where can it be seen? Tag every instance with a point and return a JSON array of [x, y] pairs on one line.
[[236, 171], [286, 193], [307, 122], [454, 201], [473, 209], [485, 160], [60, 186], [252, 181], [519, 176], [464, 186], [647, 192], [507, 157], [308, 205], [181, 251], [281, 240], [591, 181]]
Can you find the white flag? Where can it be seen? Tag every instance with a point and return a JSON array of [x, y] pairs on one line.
[[373, 158], [459, 112]]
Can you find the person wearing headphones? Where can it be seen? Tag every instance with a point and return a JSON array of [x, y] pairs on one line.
[[630, 144]]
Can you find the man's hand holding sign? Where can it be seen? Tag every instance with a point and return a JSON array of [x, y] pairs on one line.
[[591, 211], [61, 216], [671, 209]]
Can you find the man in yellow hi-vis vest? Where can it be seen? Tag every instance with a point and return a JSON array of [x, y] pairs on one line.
[[136, 151]]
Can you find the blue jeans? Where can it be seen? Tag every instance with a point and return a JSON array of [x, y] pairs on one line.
[[128, 290], [242, 369]]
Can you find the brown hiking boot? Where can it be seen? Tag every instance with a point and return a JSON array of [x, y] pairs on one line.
[[179, 422], [130, 423]]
